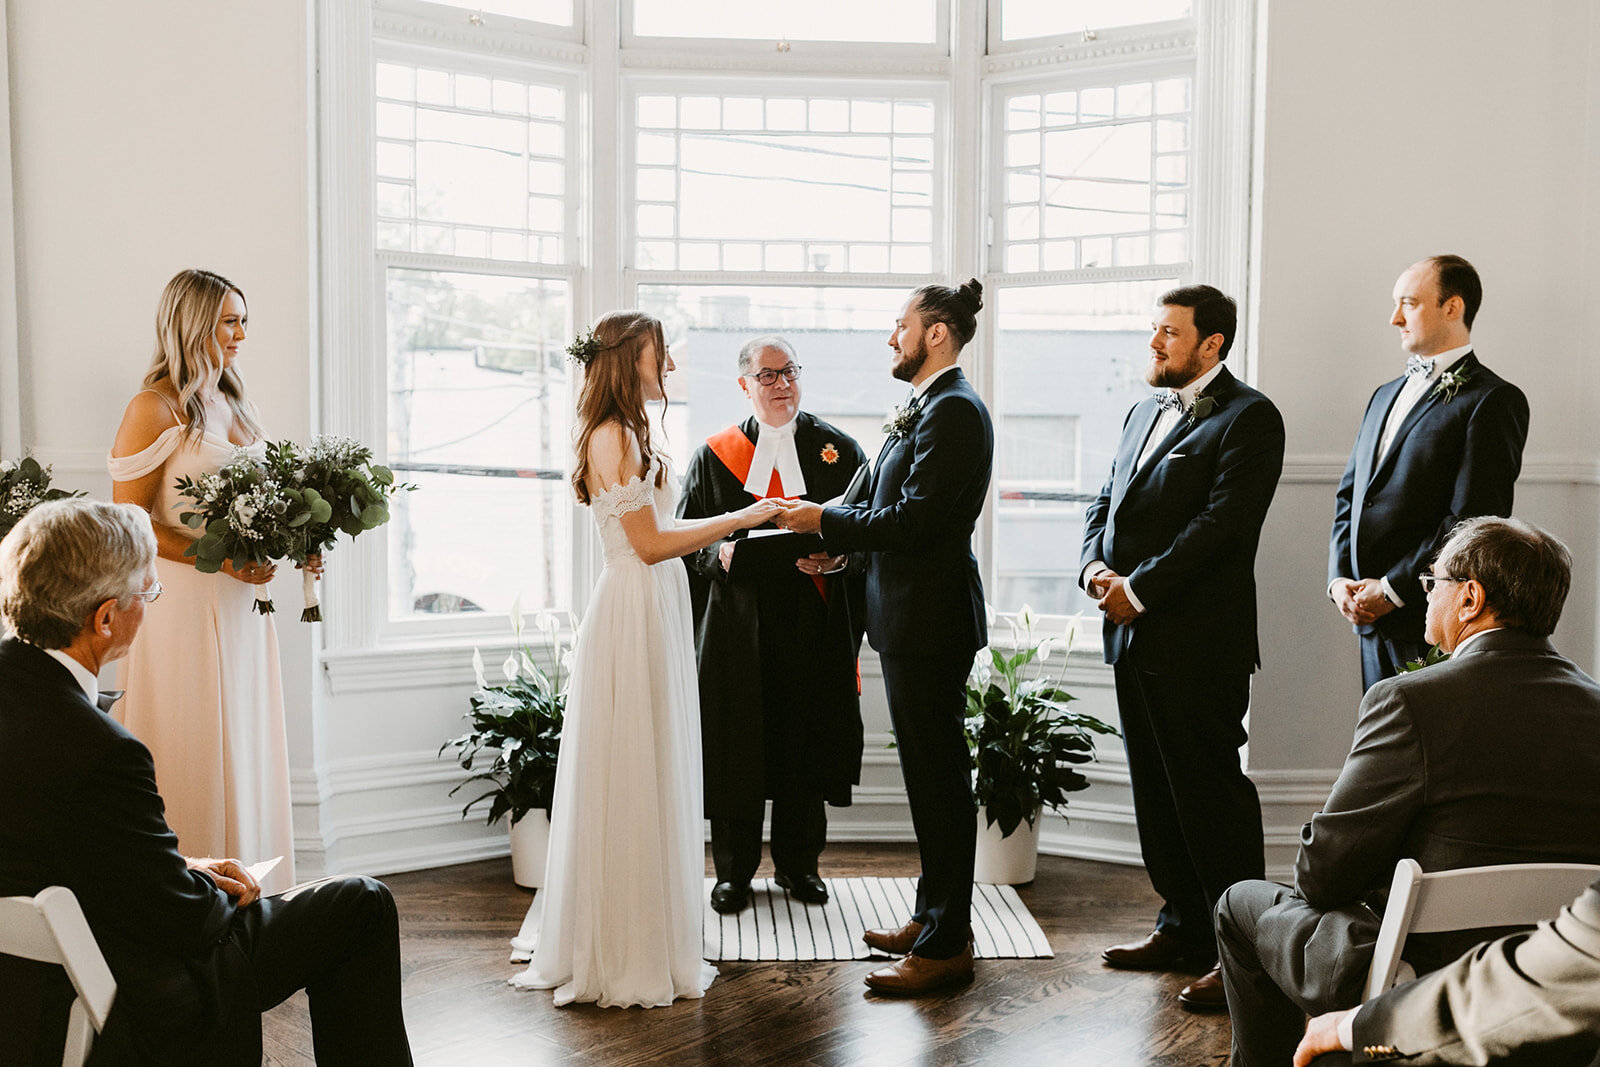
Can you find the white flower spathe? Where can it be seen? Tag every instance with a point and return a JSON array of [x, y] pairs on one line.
[[477, 669]]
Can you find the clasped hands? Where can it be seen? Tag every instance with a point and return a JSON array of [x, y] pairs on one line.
[[796, 516], [1360, 600], [230, 876], [1110, 589]]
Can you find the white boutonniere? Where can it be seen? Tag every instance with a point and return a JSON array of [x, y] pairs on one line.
[[903, 419], [1450, 383]]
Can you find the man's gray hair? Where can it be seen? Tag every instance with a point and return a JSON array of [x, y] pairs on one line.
[[755, 346], [1525, 572], [66, 558]]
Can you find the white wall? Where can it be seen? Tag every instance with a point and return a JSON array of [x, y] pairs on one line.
[[154, 136]]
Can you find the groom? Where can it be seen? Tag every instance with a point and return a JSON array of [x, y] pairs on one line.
[[925, 616]]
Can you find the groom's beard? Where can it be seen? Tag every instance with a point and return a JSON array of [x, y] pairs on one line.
[[911, 362]]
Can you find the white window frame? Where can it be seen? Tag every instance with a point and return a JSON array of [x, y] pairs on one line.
[[1122, 37], [664, 49], [966, 68]]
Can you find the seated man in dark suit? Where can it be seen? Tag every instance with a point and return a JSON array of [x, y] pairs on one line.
[[1530, 998], [1490, 757], [196, 955]]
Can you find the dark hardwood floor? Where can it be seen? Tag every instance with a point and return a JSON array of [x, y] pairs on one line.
[[455, 922]]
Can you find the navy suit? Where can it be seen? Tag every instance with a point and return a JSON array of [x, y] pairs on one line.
[[194, 972], [925, 618], [1183, 530], [1450, 460]]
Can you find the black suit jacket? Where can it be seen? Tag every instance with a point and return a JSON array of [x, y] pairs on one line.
[[1450, 460], [924, 593], [79, 808], [1183, 529]]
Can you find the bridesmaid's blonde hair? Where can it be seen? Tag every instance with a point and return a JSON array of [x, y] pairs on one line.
[[186, 348], [612, 391]]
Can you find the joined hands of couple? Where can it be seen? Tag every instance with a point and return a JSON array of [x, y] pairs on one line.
[[796, 516]]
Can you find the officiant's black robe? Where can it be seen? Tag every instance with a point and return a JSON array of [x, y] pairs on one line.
[[780, 705]]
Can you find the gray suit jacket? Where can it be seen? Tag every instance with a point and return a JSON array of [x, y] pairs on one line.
[[1490, 757], [1531, 998]]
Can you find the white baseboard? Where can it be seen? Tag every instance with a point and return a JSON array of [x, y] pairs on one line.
[[385, 814]]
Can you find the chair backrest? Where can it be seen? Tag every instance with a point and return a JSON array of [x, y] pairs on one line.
[[1510, 895], [50, 927]]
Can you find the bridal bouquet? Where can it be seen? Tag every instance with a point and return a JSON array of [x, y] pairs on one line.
[[341, 489], [24, 484], [245, 514]]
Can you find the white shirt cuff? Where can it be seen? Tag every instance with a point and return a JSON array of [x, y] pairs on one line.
[[1347, 1031], [1127, 587], [1388, 591], [1090, 573]]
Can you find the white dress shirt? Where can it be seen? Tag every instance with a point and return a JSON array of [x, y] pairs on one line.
[[80, 674], [775, 450], [1158, 433], [920, 391]]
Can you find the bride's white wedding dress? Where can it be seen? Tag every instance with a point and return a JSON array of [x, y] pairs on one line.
[[618, 922]]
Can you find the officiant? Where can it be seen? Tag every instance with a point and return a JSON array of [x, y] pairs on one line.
[[777, 635]]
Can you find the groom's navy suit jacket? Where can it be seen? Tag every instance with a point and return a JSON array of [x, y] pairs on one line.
[[1183, 530], [924, 594], [1450, 460]]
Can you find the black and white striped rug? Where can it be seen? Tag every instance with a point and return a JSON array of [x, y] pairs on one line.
[[777, 927]]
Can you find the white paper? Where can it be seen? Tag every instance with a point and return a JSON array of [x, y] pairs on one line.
[[260, 870]]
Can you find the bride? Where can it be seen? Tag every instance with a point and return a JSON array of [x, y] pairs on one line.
[[618, 921]]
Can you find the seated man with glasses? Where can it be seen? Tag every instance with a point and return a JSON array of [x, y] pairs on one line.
[[1489, 757], [197, 952], [777, 639]]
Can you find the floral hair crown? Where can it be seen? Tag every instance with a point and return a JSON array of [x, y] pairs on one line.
[[584, 347]]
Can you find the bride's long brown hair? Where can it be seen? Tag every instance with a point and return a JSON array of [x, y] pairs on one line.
[[612, 391]]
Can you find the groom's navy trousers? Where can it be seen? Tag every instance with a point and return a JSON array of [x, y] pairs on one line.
[[925, 618]]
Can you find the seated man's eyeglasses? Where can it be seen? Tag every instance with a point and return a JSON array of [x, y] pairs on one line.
[[1429, 580], [149, 595], [766, 377]]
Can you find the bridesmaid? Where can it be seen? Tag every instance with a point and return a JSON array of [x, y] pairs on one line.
[[203, 687]]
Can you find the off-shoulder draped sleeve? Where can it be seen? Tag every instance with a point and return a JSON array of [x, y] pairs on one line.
[[147, 459], [617, 500]]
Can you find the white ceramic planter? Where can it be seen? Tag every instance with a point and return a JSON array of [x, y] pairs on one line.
[[530, 841], [1006, 860]]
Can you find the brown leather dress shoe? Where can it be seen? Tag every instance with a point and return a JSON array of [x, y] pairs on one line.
[[1158, 952], [1205, 993], [893, 942], [915, 974]]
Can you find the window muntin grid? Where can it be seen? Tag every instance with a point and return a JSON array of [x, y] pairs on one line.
[[881, 21], [1023, 19], [471, 164], [1096, 176], [752, 182]]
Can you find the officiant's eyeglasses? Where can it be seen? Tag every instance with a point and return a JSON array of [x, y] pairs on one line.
[[149, 595], [1429, 580], [768, 376]]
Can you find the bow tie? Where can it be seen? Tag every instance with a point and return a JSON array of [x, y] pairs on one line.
[[1169, 401], [108, 698], [1418, 365]]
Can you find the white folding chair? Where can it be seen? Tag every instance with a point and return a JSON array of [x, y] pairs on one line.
[[1514, 894], [51, 928]]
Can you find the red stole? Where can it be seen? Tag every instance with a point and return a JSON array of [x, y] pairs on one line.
[[736, 451]]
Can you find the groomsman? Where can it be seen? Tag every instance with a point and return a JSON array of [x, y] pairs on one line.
[[1169, 549], [925, 616], [780, 704], [1441, 443]]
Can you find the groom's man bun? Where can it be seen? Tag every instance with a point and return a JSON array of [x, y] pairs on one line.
[[956, 307]]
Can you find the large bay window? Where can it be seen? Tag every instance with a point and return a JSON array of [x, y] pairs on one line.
[[741, 167]]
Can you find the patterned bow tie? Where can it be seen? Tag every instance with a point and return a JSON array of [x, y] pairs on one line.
[[108, 698], [1169, 401], [1418, 365]]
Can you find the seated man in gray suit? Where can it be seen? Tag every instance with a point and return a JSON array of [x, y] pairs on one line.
[[1490, 757], [1530, 998]]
